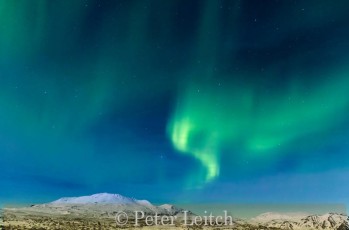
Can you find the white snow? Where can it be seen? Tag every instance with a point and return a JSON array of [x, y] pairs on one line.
[[301, 220], [100, 198]]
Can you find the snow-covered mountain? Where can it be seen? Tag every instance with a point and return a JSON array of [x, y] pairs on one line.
[[100, 198], [326, 221], [101, 204], [295, 221]]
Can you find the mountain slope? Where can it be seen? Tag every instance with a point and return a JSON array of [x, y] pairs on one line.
[[101, 204], [330, 221], [100, 198]]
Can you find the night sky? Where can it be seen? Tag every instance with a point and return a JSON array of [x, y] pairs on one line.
[[175, 101]]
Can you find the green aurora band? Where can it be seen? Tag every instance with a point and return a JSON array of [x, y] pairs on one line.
[[212, 117], [248, 116]]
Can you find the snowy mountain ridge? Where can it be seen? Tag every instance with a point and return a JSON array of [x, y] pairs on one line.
[[102, 204], [295, 221], [100, 198]]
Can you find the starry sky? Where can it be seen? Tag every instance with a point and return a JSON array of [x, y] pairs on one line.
[[175, 101]]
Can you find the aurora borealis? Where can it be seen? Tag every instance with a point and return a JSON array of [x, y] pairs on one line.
[[209, 120], [175, 101]]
